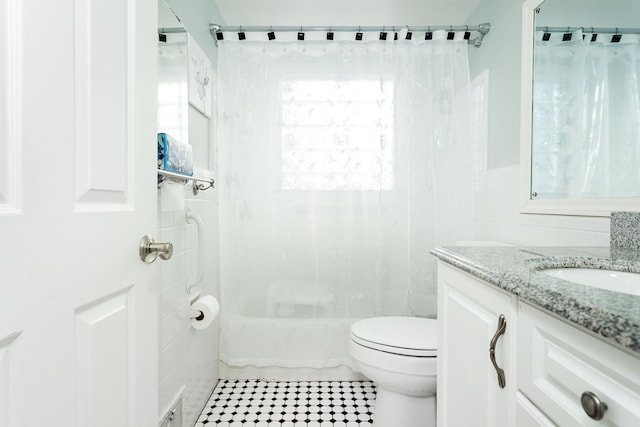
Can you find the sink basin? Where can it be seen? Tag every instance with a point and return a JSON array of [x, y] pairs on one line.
[[617, 281]]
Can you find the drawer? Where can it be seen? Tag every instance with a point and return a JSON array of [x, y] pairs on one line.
[[557, 363]]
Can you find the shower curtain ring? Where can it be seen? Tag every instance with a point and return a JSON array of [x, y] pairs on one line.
[[330, 33], [383, 34]]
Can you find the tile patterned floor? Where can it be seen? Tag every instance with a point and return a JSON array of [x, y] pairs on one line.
[[255, 403]]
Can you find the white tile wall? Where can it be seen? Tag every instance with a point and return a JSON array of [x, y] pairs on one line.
[[498, 217], [188, 359]]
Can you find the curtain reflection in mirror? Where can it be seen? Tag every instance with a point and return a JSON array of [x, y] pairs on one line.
[[173, 109], [586, 116]]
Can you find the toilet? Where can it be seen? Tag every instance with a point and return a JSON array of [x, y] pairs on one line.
[[399, 355]]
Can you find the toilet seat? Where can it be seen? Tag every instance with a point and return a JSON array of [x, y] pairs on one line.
[[406, 336]]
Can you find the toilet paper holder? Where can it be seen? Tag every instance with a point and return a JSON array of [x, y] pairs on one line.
[[203, 311], [196, 314]]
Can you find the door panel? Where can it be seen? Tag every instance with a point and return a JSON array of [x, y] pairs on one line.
[[104, 67], [104, 346], [9, 146]]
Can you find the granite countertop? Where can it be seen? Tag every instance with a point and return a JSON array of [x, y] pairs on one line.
[[613, 317]]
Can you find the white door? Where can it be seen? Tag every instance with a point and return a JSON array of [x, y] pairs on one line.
[[77, 192]]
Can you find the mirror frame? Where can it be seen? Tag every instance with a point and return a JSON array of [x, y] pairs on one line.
[[575, 207]]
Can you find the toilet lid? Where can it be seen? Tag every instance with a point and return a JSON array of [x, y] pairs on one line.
[[409, 336]]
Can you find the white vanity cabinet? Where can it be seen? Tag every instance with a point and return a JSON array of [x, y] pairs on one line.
[[558, 364], [555, 373], [469, 393]]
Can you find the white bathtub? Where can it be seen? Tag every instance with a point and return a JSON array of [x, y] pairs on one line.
[[286, 336]]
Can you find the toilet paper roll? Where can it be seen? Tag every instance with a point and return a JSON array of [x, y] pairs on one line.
[[209, 307]]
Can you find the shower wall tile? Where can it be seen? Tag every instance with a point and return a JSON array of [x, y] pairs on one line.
[[172, 297], [188, 359], [172, 355], [181, 240], [171, 325], [171, 386], [498, 217], [177, 268], [165, 219]]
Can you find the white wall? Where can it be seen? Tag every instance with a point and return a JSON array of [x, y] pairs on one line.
[[497, 210], [340, 12], [196, 15], [500, 55], [588, 13], [188, 359]]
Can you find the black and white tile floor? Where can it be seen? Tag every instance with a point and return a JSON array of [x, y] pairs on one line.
[[255, 403]]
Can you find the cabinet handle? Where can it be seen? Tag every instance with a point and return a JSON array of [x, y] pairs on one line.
[[502, 326], [592, 405]]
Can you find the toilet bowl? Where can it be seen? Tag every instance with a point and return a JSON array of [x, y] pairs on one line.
[[399, 355]]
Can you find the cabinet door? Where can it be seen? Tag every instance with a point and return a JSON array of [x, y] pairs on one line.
[[468, 390], [528, 415]]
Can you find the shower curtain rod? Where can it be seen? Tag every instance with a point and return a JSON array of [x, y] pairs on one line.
[[483, 29], [170, 30], [589, 30]]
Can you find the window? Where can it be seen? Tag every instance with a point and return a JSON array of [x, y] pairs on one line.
[[337, 135]]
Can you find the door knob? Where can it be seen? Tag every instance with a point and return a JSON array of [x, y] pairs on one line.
[[150, 250]]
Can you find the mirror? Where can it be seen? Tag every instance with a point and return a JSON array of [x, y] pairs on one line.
[[178, 114], [173, 110], [580, 140]]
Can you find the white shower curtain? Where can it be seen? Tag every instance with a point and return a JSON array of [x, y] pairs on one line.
[[586, 117], [341, 165]]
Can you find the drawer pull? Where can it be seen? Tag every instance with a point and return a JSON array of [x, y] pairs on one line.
[[502, 326], [592, 405]]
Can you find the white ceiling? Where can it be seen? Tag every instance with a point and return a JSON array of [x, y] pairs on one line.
[[345, 12]]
